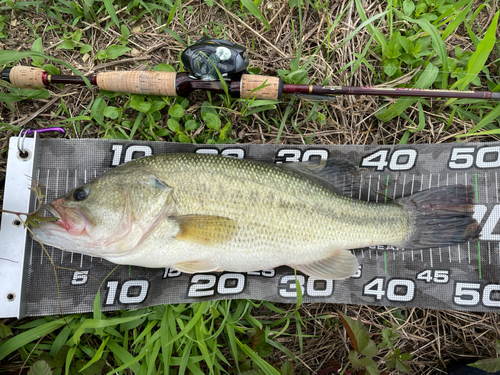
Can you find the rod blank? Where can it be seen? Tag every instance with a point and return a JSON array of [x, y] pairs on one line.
[[242, 86]]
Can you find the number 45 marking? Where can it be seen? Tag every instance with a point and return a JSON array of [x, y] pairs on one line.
[[434, 276]]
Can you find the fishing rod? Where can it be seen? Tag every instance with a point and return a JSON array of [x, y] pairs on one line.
[[206, 61]]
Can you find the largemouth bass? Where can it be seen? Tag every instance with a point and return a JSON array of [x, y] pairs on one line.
[[204, 213]]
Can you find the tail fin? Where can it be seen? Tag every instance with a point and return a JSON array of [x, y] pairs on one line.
[[441, 216]]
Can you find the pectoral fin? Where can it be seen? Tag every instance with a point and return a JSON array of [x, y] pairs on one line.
[[205, 229], [340, 265], [196, 266]]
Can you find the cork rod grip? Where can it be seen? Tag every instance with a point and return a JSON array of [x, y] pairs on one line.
[[26, 76], [143, 82], [272, 90]]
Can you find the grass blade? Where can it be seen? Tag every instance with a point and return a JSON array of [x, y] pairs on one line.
[[249, 4], [479, 57], [489, 118], [457, 20], [33, 334], [424, 81], [266, 367], [379, 37], [111, 11], [365, 23], [124, 356], [438, 45]]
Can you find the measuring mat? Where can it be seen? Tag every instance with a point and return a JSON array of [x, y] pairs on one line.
[[463, 277]]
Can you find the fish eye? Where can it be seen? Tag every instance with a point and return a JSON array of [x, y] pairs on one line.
[[80, 194]]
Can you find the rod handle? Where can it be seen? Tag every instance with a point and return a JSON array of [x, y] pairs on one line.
[[24, 76], [138, 82], [272, 90]]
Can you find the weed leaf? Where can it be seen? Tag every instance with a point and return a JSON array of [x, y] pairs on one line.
[[112, 52], [40, 368], [488, 365], [438, 44], [360, 339]]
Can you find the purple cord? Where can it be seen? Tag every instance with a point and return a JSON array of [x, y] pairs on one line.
[[60, 130]]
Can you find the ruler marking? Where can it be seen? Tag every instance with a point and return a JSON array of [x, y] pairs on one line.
[[496, 184], [422, 255], [489, 252], [430, 255], [395, 188], [412, 256], [67, 178], [475, 188], [422, 183], [85, 176], [31, 252], [362, 253], [404, 184], [47, 184], [81, 261], [449, 252], [479, 258], [45, 199], [459, 257], [378, 189], [369, 188], [360, 185], [385, 261], [468, 251], [57, 182], [72, 253], [430, 180], [486, 187], [412, 184], [440, 255]]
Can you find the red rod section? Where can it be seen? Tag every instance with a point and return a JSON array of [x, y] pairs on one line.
[[376, 91]]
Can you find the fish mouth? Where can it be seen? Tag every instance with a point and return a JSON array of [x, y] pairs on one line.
[[57, 225]]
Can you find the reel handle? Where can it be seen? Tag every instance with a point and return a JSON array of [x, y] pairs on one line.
[[151, 83]]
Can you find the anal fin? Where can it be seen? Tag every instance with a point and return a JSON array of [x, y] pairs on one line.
[[195, 266], [340, 265]]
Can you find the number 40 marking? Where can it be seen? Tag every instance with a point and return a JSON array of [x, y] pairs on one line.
[[399, 160]]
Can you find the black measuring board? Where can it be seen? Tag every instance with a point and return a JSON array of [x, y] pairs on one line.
[[460, 277]]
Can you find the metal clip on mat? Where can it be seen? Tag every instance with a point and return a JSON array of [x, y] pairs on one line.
[[14, 238]]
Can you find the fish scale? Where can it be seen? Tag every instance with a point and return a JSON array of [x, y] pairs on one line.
[[281, 217], [197, 213]]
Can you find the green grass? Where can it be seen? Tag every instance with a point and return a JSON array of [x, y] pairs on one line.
[[230, 336]]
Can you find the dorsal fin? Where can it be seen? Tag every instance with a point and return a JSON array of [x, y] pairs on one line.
[[340, 175]]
